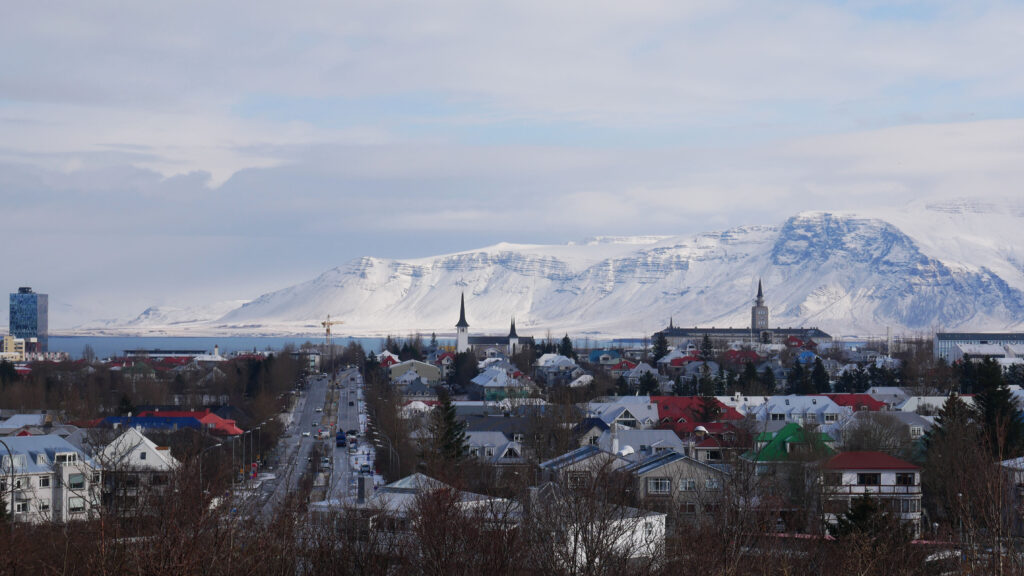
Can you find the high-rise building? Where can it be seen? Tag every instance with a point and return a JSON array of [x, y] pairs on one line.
[[29, 318]]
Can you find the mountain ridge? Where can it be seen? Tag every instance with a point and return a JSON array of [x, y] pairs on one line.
[[947, 266]]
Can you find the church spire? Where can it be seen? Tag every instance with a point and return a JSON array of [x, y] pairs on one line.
[[512, 332], [760, 293], [462, 313]]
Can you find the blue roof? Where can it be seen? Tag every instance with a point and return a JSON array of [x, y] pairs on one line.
[[153, 422], [595, 355], [577, 455]]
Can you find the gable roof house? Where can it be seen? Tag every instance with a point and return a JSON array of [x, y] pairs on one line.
[[428, 372], [625, 411], [635, 445], [672, 480], [134, 468], [804, 410]]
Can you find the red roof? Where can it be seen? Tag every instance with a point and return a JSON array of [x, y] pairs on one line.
[[684, 360], [856, 401], [741, 356], [689, 409], [623, 365], [868, 461], [793, 341]]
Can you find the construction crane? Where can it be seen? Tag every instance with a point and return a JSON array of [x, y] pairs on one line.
[[329, 344]]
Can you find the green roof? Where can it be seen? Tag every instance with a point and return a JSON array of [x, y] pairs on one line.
[[776, 444]]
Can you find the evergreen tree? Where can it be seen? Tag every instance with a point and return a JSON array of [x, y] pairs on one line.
[[819, 378], [464, 369], [710, 409], [622, 386], [861, 381], [448, 431], [794, 380], [731, 383], [847, 381], [768, 380], [649, 384], [706, 349], [660, 347], [565, 348], [433, 340], [866, 518], [678, 389], [748, 380], [694, 386], [1000, 417]]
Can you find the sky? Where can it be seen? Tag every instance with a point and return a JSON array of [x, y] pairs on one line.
[[186, 153]]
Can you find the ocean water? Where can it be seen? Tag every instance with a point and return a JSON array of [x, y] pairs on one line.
[[109, 346]]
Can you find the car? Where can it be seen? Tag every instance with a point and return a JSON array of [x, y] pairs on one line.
[[351, 403], [319, 409], [352, 432], [305, 434], [316, 423], [365, 469]]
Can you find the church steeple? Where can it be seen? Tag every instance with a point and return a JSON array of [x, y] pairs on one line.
[[759, 312], [513, 339], [462, 328], [462, 313], [512, 331]]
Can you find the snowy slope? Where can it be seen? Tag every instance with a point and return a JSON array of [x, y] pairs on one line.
[[947, 266]]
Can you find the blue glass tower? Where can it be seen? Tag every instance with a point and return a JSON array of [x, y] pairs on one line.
[[30, 317]]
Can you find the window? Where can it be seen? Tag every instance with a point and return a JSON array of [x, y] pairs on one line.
[[812, 418], [690, 508], [687, 485], [76, 481], [44, 504], [578, 479], [76, 504], [593, 440], [829, 417], [776, 417], [906, 479], [916, 431], [714, 454], [44, 481], [489, 451], [659, 486], [142, 455], [158, 480], [712, 484], [20, 507], [517, 438], [869, 479]]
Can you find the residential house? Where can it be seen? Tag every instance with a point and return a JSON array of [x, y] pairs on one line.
[[556, 370], [53, 481], [894, 482], [604, 357], [930, 405], [427, 372], [495, 383], [134, 467], [495, 448], [625, 411], [804, 410], [635, 445], [581, 466], [673, 480]]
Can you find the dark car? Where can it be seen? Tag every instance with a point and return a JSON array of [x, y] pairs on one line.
[[352, 432]]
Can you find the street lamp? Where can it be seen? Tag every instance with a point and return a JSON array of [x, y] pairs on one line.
[[201, 452], [10, 459]]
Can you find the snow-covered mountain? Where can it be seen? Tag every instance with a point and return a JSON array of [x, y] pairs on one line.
[[942, 266]]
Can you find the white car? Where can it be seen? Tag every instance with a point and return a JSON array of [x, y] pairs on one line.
[[305, 434]]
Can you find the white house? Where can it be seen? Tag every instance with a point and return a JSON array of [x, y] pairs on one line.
[[893, 481], [803, 410], [134, 466], [53, 481]]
